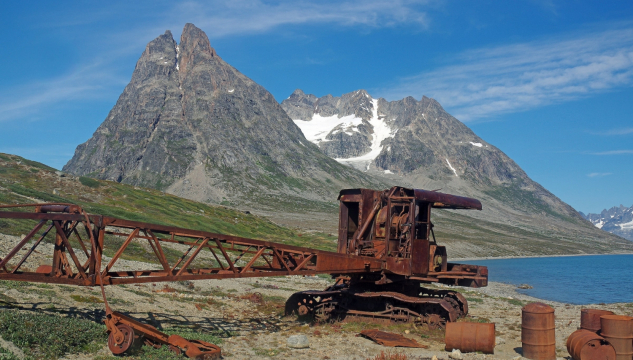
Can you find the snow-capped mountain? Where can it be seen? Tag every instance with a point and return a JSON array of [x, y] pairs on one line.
[[617, 220]]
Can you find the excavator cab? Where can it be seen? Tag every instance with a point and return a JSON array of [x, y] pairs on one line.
[[394, 225]]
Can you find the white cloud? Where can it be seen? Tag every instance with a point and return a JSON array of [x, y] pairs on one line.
[[614, 152], [595, 174], [87, 82], [490, 81], [222, 18], [625, 131]]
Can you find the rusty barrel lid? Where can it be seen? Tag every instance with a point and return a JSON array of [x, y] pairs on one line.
[[538, 308], [590, 318]]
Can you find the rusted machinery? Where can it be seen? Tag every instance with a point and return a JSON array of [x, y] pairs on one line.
[[393, 228], [386, 250]]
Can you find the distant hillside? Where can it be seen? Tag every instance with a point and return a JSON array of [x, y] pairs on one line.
[[617, 220], [23, 182]]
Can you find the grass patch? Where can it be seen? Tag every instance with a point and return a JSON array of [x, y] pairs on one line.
[[7, 355], [86, 299], [86, 181], [270, 352], [45, 336], [516, 302]]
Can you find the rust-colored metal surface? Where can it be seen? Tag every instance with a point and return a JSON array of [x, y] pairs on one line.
[[386, 251], [590, 319], [584, 344], [538, 335], [124, 333], [391, 339], [618, 331], [470, 337]]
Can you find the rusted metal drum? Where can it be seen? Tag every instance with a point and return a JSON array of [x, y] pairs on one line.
[[590, 319], [538, 332], [587, 345], [618, 330], [470, 337]]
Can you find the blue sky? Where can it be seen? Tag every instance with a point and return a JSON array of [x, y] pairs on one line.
[[548, 82]]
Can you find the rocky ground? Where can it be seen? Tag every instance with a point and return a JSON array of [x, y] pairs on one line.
[[252, 330]]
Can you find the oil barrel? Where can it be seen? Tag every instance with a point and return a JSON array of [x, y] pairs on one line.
[[538, 335], [618, 330], [470, 337], [587, 345], [590, 319]]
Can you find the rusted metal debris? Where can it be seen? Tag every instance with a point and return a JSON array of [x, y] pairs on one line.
[[538, 335], [587, 345], [386, 251], [255, 297], [124, 333], [390, 339], [470, 337], [590, 319], [618, 331]]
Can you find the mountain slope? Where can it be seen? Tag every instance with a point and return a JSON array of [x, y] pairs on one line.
[[417, 143], [617, 220], [25, 182], [191, 124]]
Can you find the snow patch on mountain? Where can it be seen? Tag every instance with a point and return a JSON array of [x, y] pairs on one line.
[[317, 129], [382, 131], [452, 168]]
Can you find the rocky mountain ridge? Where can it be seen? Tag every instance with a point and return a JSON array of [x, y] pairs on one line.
[[618, 220], [192, 125], [409, 137]]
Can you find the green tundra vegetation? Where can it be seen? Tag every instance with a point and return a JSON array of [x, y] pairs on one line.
[[24, 182]]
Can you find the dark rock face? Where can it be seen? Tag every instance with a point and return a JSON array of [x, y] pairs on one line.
[[190, 123], [617, 220]]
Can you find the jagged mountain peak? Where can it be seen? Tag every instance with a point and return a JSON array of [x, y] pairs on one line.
[[193, 125], [617, 220]]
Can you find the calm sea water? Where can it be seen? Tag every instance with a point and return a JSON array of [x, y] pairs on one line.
[[571, 279]]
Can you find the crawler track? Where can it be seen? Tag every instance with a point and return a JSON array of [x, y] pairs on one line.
[[339, 303]]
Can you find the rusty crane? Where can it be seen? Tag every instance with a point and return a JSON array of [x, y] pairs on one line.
[[386, 250]]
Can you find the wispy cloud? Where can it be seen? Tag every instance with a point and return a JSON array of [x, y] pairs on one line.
[[87, 82], [490, 81], [623, 131], [222, 18], [596, 174], [614, 152]]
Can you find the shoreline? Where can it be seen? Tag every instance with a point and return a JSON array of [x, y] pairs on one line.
[[530, 256]]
